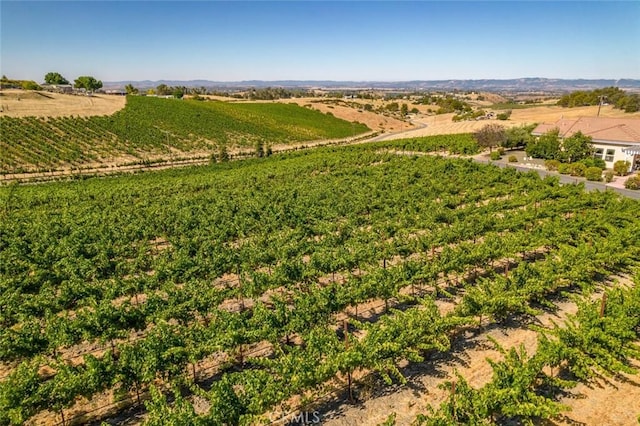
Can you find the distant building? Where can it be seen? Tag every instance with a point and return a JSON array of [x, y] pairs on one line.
[[57, 88], [119, 92], [614, 139]]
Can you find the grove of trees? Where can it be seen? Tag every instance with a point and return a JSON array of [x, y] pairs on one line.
[[629, 102], [549, 146]]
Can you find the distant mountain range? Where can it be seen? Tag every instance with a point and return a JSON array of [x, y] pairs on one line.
[[490, 85]]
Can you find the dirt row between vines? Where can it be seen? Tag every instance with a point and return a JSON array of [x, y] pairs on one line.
[[73, 354], [603, 402], [108, 405]]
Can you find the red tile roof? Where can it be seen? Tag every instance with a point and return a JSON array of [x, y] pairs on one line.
[[625, 130]]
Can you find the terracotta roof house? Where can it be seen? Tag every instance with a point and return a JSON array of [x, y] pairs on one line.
[[613, 138]]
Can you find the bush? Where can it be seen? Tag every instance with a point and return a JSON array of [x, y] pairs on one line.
[[504, 115], [633, 182], [564, 168], [30, 85], [608, 175], [513, 159], [578, 169], [552, 165], [495, 155], [599, 162], [594, 162], [593, 173], [621, 167]]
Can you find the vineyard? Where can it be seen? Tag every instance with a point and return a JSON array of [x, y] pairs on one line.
[[236, 293], [154, 127]]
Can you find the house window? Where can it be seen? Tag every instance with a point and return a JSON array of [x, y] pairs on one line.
[[598, 153], [609, 156]]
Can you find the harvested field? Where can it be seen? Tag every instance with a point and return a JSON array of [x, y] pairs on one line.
[[442, 124], [21, 103]]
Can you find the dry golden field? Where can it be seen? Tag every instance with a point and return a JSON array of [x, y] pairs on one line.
[[442, 124], [21, 103]]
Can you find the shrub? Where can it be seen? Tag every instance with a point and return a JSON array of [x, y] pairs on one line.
[[599, 162], [552, 165], [608, 175], [513, 159], [633, 182], [495, 155], [504, 115], [564, 168], [593, 173], [30, 85], [594, 162], [501, 151], [621, 167], [578, 169]]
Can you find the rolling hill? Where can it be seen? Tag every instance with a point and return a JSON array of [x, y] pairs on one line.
[[150, 128]]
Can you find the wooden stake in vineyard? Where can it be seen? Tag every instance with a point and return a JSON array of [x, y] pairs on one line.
[[603, 304], [346, 346], [453, 400]]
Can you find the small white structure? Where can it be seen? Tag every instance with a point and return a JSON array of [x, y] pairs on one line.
[[57, 88], [613, 139]]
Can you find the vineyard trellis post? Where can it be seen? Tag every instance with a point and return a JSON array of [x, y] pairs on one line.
[[346, 346]]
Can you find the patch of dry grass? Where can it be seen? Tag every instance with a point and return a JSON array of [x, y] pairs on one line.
[[24, 103]]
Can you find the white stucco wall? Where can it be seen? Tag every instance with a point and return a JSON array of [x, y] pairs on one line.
[[617, 153]]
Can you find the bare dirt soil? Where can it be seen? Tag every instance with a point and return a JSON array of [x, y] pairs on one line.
[[23, 103], [611, 402]]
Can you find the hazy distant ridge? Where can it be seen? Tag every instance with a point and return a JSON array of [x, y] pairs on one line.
[[520, 84]]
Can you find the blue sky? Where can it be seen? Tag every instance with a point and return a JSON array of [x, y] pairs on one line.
[[306, 40]]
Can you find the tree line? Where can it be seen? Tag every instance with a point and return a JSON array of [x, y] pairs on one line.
[[629, 102], [88, 83]]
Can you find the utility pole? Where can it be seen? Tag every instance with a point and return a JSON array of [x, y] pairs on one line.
[[600, 105]]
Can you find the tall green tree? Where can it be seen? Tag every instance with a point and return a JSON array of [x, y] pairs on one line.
[[178, 92], [546, 146], [90, 84], [517, 136], [131, 90], [163, 90], [577, 147], [490, 135], [55, 78]]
